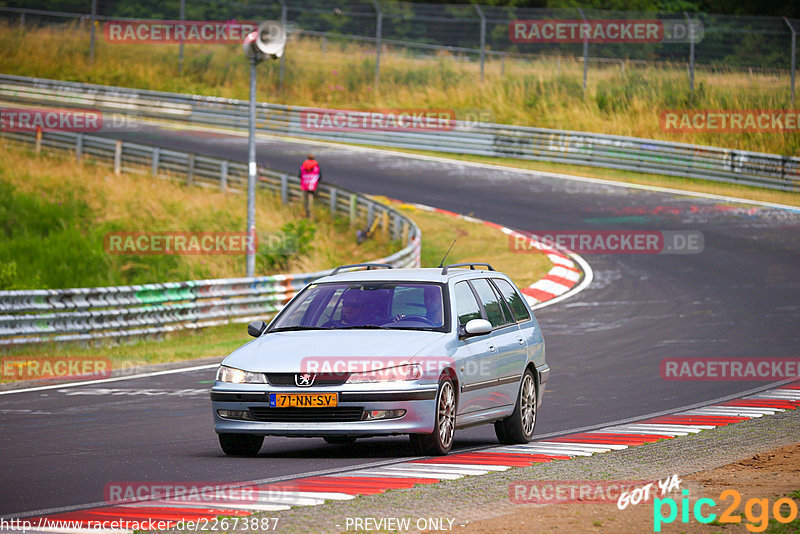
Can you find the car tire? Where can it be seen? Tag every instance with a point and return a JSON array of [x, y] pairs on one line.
[[240, 444], [440, 441], [340, 440], [518, 427]]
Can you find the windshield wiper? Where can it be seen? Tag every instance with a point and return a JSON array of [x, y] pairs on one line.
[[294, 328], [365, 326]]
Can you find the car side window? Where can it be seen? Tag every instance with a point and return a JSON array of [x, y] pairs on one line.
[[491, 302], [466, 306], [513, 299]]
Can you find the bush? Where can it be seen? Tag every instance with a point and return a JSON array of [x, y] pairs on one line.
[[293, 242]]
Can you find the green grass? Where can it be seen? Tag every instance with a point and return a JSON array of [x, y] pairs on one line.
[[539, 92]]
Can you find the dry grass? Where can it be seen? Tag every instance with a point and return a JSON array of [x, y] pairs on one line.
[[624, 100]]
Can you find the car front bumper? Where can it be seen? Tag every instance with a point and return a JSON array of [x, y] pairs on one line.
[[418, 401]]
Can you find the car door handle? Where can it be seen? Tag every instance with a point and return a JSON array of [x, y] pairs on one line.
[[521, 341], [492, 348]]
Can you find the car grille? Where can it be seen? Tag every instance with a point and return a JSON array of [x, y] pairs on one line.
[[287, 379], [306, 415]]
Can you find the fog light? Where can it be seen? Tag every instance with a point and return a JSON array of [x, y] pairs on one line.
[[372, 415], [236, 414]]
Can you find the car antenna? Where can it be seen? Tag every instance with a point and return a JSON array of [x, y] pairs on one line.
[[446, 253]]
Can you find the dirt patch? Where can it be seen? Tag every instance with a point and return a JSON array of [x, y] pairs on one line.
[[772, 475]]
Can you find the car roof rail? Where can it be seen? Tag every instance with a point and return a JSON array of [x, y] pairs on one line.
[[470, 264], [367, 265]]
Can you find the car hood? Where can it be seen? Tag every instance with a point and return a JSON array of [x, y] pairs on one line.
[[289, 352]]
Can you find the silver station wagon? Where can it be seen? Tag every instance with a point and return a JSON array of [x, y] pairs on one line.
[[385, 351]]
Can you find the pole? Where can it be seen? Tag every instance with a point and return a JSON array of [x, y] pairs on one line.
[[180, 50], [283, 57], [91, 37], [483, 37], [691, 53], [794, 54], [585, 52], [251, 174], [378, 32]]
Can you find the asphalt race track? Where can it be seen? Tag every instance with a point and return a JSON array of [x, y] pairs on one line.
[[740, 297]]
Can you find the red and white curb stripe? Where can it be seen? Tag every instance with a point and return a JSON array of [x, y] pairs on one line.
[[311, 491], [569, 275]]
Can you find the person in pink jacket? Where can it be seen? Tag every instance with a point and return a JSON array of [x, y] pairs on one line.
[[310, 176]]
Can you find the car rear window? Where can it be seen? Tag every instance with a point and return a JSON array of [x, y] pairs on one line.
[[513, 299]]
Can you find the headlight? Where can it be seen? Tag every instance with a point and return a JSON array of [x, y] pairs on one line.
[[400, 373], [237, 376]]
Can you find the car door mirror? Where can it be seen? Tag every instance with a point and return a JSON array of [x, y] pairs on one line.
[[256, 328], [477, 327]]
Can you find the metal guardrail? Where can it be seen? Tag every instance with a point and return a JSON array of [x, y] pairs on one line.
[[34, 316], [485, 139]]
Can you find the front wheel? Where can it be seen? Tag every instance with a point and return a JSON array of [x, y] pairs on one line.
[[440, 441], [240, 444], [518, 427]]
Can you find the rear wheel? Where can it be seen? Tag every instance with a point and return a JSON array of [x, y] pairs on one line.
[[240, 444], [340, 440], [518, 427], [440, 441]]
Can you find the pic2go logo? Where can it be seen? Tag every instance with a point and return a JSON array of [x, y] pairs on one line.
[[783, 510]]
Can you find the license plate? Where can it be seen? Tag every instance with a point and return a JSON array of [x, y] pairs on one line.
[[302, 400]]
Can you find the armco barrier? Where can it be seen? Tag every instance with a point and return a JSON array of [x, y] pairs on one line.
[[485, 139], [34, 316]]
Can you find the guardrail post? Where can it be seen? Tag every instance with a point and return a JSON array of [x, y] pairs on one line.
[[324, 43], [190, 170], [404, 233], [223, 175], [691, 53], [385, 222], [92, 21], [78, 147], [396, 227], [378, 32], [353, 208], [180, 49], [155, 161], [585, 52], [334, 192], [22, 20], [794, 54], [483, 37], [38, 145], [118, 157], [284, 189], [370, 213]]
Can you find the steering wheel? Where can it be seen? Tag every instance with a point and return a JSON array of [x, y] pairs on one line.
[[402, 317]]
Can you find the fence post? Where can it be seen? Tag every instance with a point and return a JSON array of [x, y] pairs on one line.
[[353, 209], [78, 147], [22, 20], [223, 175], [483, 37], [378, 32], [155, 161], [333, 201], [283, 56], [284, 189], [92, 21], [190, 170], [691, 53], [38, 144], [585, 52], [324, 43], [794, 54], [180, 49], [118, 157]]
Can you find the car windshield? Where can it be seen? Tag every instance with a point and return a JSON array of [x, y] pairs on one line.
[[365, 305]]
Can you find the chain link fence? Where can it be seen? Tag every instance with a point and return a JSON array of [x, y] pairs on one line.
[[470, 32]]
